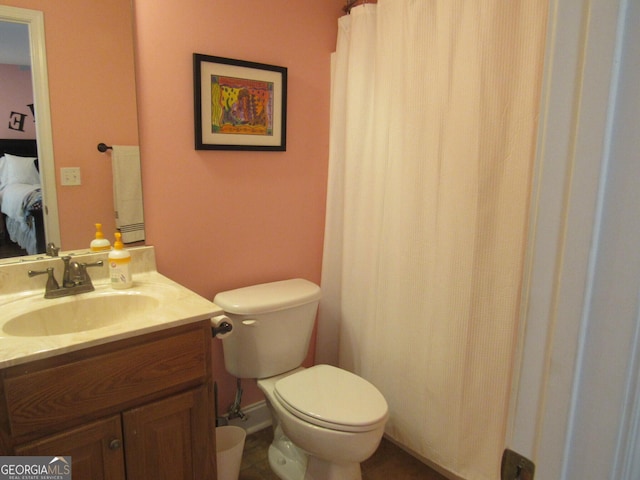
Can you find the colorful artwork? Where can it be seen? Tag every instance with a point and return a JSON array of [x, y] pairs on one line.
[[241, 106]]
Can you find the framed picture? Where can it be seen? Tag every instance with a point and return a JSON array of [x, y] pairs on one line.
[[239, 105]]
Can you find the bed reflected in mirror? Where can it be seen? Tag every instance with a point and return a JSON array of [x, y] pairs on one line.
[[22, 223]]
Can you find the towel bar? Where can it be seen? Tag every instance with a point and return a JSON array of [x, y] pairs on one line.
[[104, 147]]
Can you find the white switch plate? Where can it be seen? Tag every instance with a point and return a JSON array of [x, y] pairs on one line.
[[70, 176]]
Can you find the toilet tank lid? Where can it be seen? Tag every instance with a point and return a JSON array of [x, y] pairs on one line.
[[268, 297]]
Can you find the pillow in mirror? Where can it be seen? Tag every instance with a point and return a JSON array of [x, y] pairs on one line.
[[17, 169]]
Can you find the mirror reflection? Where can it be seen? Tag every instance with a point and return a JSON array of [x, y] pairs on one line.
[[89, 80], [21, 224]]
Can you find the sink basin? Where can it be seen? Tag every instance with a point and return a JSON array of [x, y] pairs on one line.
[[74, 314], [34, 328]]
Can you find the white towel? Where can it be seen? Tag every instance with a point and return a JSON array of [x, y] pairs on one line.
[[127, 192]]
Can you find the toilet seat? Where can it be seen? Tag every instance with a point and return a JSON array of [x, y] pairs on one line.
[[332, 398]]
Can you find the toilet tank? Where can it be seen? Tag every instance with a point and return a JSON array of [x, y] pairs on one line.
[[273, 323]]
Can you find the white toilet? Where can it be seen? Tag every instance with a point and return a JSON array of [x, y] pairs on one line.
[[326, 420]]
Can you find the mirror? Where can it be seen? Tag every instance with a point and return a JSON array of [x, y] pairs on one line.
[[22, 25], [84, 84]]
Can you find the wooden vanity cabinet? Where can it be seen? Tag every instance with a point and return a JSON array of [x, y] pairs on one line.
[[135, 409], [95, 449]]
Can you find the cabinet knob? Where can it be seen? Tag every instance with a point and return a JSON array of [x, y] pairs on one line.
[[115, 444]]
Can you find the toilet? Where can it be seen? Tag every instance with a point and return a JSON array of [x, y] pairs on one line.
[[326, 420]]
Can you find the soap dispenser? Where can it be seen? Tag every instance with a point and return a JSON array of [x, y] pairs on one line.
[[99, 244], [119, 265]]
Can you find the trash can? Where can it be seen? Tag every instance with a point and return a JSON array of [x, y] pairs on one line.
[[229, 447]]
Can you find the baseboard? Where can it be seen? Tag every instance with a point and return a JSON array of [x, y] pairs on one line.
[[256, 418]]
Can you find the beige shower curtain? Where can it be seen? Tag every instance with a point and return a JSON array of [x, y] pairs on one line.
[[433, 128]]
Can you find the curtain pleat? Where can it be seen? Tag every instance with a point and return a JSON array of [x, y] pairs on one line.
[[433, 124]]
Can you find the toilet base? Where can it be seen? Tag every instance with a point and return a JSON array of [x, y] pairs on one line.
[[283, 467], [286, 459], [287, 468], [289, 462], [319, 469]]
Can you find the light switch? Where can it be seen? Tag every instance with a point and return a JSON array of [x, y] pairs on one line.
[[70, 176]]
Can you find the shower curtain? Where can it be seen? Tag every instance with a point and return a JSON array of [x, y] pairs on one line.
[[433, 128]]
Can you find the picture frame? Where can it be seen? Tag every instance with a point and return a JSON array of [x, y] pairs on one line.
[[239, 105]]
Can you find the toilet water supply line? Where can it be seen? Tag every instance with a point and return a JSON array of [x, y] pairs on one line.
[[234, 409], [220, 328]]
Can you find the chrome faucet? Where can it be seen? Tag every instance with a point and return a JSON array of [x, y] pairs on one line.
[[52, 250], [75, 279]]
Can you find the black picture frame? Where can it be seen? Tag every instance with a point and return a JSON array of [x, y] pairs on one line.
[[239, 105]]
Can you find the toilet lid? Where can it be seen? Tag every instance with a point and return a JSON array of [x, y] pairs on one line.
[[333, 398]]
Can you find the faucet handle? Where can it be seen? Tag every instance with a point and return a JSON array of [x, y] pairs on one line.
[[52, 283], [99, 263]]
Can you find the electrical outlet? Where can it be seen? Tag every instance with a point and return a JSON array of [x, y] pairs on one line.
[[70, 176], [516, 467]]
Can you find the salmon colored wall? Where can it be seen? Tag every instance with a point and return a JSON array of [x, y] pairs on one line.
[[222, 219], [92, 94], [16, 95]]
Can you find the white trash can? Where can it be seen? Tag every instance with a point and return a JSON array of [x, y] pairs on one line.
[[229, 447]]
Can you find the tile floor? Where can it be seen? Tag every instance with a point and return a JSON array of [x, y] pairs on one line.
[[389, 462]]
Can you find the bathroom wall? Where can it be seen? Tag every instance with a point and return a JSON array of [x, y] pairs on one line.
[[223, 219], [16, 116]]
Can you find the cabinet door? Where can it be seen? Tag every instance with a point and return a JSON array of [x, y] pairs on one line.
[[169, 439], [95, 449]]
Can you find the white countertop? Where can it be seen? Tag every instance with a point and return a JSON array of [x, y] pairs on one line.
[[178, 306]]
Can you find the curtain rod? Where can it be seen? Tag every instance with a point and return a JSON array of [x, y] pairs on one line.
[[354, 3]]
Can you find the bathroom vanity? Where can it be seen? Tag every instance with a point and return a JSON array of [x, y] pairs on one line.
[[125, 401]]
